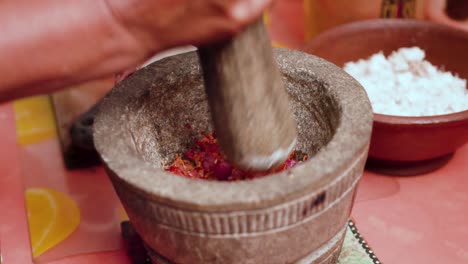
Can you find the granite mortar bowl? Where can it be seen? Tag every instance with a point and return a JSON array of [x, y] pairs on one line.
[[404, 145], [297, 216]]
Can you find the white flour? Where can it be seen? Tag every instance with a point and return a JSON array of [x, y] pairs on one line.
[[405, 84]]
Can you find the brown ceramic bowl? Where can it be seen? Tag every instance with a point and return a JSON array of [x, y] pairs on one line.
[[404, 145], [296, 216]]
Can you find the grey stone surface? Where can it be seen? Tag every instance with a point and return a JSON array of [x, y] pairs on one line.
[[281, 218]]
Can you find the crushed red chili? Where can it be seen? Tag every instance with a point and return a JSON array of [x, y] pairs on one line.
[[204, 160]]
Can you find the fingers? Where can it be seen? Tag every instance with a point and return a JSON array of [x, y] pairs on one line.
[[168, 23], [248, 10], [230, 15]]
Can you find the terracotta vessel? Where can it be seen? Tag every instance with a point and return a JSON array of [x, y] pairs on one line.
[[404, 145], [298, 216]]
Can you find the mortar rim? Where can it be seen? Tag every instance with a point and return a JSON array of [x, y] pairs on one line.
[[160, 186]]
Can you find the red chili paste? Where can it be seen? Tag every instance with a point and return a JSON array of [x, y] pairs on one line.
[[204, 160]]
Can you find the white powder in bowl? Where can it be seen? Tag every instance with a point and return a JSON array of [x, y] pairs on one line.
[[404, 84]]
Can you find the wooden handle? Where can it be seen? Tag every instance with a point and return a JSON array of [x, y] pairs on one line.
[[249, 104]]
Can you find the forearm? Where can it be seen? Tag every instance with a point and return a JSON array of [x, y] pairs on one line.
[[48, 44]]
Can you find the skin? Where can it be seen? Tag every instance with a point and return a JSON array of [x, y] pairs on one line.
[[54, 43]]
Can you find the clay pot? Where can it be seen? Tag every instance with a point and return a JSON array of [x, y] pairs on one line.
[[404, 145], [297, 216]]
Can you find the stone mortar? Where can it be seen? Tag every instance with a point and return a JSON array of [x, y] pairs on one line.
[[297, 216]]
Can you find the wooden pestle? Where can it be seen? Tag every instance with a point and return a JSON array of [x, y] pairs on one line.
[[249, 104]]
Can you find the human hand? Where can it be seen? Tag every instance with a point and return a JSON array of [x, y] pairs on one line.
[[73, 42], [161, 24]]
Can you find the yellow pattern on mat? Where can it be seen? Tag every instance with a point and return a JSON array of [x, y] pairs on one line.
[[278, 45], [266, 18], [122, 214], [52, 217], [35, 120]]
